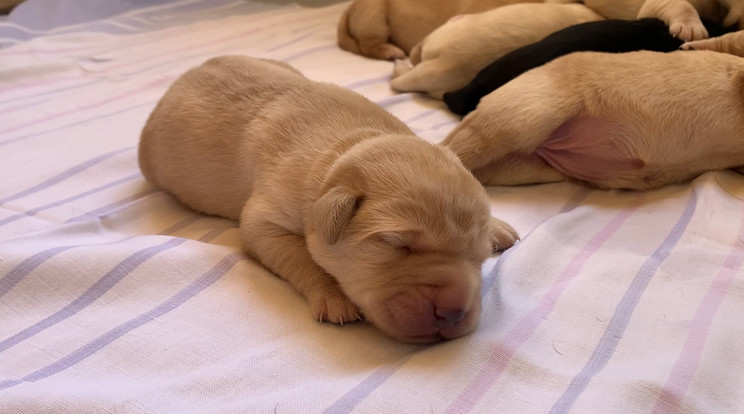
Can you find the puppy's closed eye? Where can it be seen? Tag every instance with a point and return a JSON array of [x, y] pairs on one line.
[[407, 241]]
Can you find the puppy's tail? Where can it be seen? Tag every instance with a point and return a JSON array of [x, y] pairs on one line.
[[363, 29]]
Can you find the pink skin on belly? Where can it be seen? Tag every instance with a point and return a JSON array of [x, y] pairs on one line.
[[590, 149]]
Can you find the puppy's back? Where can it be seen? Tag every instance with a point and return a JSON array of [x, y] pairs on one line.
[[193, 137]]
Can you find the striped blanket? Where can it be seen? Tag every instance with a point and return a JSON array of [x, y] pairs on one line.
[[116, 298]]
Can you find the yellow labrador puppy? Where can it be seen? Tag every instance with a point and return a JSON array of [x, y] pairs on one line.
[[333, 194], [731, 43], [634, 120], [682, 16], [388, 29], [452, 55]]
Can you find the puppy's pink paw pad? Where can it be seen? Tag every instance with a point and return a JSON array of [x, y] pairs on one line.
[[331, 305]]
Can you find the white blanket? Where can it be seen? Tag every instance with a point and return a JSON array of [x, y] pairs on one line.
[[116, 298]]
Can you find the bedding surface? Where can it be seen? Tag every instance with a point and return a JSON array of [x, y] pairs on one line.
[[116, 298]]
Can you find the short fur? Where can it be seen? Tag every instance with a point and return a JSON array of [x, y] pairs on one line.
[[614, 36], [731, 43], [452, 55], [636, 120], [333, 194], [683, 17], [388, 29]]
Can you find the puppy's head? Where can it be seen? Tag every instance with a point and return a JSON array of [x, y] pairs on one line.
[[405, 228]]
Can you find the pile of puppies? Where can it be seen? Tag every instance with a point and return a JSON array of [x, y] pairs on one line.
[[543, 100], [366, 220]]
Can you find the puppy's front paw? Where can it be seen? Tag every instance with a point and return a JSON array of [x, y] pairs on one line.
[[688, 30], [401, 67], [503, 236], [332, 305]]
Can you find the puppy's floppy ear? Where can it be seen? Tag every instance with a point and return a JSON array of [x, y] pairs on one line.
[[333, 212], [502, 235]]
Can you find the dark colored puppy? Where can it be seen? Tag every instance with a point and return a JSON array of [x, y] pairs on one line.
[[615, 36]]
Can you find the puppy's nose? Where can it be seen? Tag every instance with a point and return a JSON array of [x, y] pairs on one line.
[[447, 317]]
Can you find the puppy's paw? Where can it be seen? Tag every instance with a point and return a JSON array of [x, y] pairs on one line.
[[400, 67], [687, 30], [503, 236], [388, 52], [330, 304]]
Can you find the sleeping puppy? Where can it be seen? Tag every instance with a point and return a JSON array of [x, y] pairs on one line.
[[452, 55], [333, 194], [683, 17], [388, 29], [636, 120], [614, 36]]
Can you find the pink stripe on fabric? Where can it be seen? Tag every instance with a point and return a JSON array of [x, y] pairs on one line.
[[503, 352], [148, 86], [689, 359]]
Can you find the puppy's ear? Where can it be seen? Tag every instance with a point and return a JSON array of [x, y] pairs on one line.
[[502, 235], [333, 212]]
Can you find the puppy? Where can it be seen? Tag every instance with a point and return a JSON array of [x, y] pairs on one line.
[[601, 36], [333, 194], [452, 55], [388, 29], [683, 17], [636, 120]]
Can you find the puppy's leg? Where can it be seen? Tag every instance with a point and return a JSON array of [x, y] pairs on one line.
[[518, 169], [431, 76], [516, 118], [286, 255], [681, 17], [367, 23], [731, 43]]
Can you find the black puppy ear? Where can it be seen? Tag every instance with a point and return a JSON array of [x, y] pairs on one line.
[[333, 212]]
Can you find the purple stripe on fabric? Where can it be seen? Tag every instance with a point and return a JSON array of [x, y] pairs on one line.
[[571, 204], [290, 42], [308, 52], [365, 82], [422, 115], [144, 88], [623, 312], [394, 100], [124, 201], [203, 282], [36, 210], [357, 394], [503, 351], [181, 224], [64, 175], [84, 121], [213, 234], [98, 289], [688, 361], [27, 266]]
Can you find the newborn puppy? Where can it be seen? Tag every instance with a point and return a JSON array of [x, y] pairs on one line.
[[635, 120], [388, 29], [602, 36], [452, 55], [683, 17], [333, 194]]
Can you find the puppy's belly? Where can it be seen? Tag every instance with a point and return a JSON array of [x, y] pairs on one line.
[[591, 149]]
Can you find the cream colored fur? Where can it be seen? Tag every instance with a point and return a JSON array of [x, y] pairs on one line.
[[682, 16], [731, 43], [680, 114], [333, 194], [452, 55], [388, 29]]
